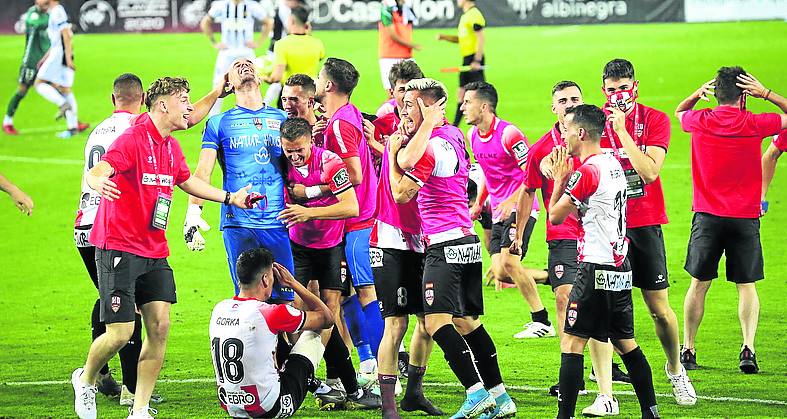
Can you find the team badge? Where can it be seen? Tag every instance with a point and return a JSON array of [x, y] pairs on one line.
[[572, 314], [343, 272], [512, 233], [520, 150], [559, 271], [115, 303], [429, 293], [341, 178], [257, 123]]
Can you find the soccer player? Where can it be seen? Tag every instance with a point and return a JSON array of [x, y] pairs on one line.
[[36, 21], [600, 305], [726, 202], [299, 52], [471, 40], [434, 166], [638, 136], [397, 257], [344, 135], [769, 159], [236, 18], [279, 32], [245, 139], [20, 198], [297, 98], [243, 336], [56, 74], [145, 164], [501, 150], [395, 37]]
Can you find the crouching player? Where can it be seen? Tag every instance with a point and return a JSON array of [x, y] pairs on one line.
[[599, 305], [243, 336]]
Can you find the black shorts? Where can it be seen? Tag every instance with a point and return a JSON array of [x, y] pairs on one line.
[[737, 238], [485, 219], [452, 278], [595, 312], [648, 257], [562, 262], [397, 280], [321, 265], [467, 77], [504, 232], [126, 281], [27, 75], [294, 376]]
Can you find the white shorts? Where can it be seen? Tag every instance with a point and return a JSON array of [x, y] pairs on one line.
[[226, 57], [385, 69], [54, 71]]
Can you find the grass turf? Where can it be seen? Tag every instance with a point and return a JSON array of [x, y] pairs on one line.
[[46, 296]]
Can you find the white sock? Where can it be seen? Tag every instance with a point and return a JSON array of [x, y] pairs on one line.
[[48, 92], [143, 409], [497, 390], [401, 346], [72, 121], [368, 366], [8, 120], [475, 387]]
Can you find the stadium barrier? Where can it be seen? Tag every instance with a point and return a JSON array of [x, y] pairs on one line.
[[94, 16]]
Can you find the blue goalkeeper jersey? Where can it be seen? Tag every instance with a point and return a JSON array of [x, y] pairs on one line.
[[249, 152]]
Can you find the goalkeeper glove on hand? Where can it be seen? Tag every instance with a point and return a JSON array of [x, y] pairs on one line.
[[191, 228]]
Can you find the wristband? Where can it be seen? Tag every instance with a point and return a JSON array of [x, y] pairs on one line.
[[313, 191], [766, 95], [227, 198]]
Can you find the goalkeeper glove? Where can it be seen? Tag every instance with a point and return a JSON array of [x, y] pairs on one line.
[[191, 228]]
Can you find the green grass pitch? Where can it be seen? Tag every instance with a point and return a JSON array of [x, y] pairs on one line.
[[45, 296]]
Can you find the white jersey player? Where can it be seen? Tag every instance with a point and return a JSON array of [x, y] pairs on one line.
[[237, 19], [244, 333]]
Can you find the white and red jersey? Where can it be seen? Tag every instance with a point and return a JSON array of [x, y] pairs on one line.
[[442, 174], [103, 135], [598, 189], [243, 336], [502, 154]]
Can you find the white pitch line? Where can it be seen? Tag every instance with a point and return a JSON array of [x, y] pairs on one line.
[[513, 387], [39, 160]]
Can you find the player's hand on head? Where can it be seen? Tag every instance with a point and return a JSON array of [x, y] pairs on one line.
[[282, 275], [107, 189], [192, 226], [707, 89], [22, 201], [224, 87], [751, 86], [433, 114], [294, 214]]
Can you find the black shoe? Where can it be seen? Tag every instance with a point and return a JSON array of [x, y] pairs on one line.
[[748, 361], [618, 376], [404, 361], [366, 400], [420, 402], [107, 385], [555, 389], [312, 384], [689, 359]]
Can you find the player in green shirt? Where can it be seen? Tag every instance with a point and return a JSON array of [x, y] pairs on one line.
[[36, 46]]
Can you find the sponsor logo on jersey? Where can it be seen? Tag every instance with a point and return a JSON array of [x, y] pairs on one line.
[[341, 178], [257, 123], [163, 180], [81, 237], [520, 150], [463, 253], [273, 124], [115, 303], [429, 293], [573, 180], [238, 398], [376, 257], [613, 280], [559, 271]]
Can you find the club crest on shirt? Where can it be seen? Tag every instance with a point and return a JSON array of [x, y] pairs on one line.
[[559, 271], [429, 293], [257, 123], [115, 303], [639, 129]]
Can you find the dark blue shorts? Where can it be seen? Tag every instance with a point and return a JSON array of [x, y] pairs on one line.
[[239, 239]]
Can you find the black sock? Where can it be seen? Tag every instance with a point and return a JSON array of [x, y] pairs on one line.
[[129, 356], [458, 355], [642, 381], [387, 394], [415, 380], [485, 355], [97, 329], [541, 316], [570, 378], [14, 103], [458, 115], [337, 357]]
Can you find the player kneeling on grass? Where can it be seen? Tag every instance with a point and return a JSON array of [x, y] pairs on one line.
[[243, 336], [599, 305]]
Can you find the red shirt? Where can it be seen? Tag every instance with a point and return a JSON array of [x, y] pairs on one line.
[[725, 159], [534, 179], [648, 127], [780, 141], [125, 223]]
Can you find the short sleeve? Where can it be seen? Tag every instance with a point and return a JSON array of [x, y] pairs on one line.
[[423, 169], [780, 141], [343, 138], [768, 124], [283, 318], [533, 178], [210, 137], [121, 154], [515, 144], [334, 173], [182, 172], [279, 58], [59, 19], [689, 120], [583, 183], [659, 130], [479, 22], [257, 11], [216, 9]]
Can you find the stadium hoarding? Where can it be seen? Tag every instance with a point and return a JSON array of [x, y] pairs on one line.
[[734, 10], [91, 16]]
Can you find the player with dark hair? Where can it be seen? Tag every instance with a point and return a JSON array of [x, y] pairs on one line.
[[243, 338], [434, 166], [727, 203], [638, 136], [600, 305], [501, 150], [299, 52], [471, 39], [297, 98]]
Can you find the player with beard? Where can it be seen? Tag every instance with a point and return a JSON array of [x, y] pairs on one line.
[[600, 305], [297, 99], [434, 166]]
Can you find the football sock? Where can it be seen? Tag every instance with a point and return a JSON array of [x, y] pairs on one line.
[[374, 325], [485, 355], [13, 104], [337, 360], [72, 120], [415, 380], [354, 318], [458, 115], [129, 355], [414, 398], [642, 381], [48, 92], [97, 328], [401, 346], [8, 120], [458, 355], [569, 381], [541, 316], [387, 393]]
